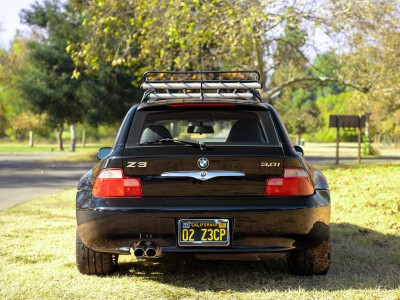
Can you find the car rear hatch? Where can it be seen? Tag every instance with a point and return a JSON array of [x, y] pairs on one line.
[[226, 175], [236, 152]]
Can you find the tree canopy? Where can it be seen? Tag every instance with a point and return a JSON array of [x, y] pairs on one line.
[[184, 35], [98, 97], [308, 53]]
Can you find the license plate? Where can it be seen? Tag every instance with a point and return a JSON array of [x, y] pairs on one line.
[[207, 232]]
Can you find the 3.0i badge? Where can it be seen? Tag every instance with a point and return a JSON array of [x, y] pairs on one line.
[[203, 163]]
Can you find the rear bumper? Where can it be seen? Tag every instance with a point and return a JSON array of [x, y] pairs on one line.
[[258, 225]]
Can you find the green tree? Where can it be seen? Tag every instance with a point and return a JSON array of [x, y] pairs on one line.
[[49, 85], [326, 65], [296, 103], [17, 118], [167, 34], [333, 104], [171, 34], [369, 32], [300, 112], [100, 96], [185, 35], [3, 120], [191, 35], [107, 94], [28, 122], [3, 117]]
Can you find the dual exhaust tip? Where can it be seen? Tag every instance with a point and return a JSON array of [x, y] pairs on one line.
[[146, 250]]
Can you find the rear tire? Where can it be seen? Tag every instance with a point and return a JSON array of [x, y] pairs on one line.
[[309, 262], [90, 262]]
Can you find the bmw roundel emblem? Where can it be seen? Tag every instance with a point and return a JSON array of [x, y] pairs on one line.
[[203, 163]]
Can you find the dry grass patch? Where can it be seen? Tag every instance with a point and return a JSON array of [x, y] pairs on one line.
[[38, 252]]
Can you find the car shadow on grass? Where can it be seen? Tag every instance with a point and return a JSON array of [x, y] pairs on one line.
[[361, 259]]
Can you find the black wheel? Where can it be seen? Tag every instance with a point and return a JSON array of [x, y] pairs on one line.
[[90, 262], [314, 261]]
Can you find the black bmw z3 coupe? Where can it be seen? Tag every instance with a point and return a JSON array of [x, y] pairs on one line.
[[202, 166]]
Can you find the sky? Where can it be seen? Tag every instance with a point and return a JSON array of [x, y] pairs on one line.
[[9, 19]]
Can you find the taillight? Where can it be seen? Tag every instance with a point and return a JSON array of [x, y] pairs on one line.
[[294, 182], [113, 183]]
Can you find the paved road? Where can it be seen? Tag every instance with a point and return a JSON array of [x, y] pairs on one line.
[[26, 176]]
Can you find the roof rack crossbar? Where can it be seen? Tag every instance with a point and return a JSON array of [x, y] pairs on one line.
[[198, 85], [246, 96]]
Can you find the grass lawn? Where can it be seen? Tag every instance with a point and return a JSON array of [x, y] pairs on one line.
[[42, 150], [39, 148], [38, 248]]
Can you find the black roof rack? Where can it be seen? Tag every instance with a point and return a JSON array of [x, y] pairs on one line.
[[204, 85]]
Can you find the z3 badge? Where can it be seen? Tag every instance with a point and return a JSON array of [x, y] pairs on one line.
[[136, 164]]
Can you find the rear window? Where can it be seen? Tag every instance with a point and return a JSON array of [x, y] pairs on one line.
[[207, 126]]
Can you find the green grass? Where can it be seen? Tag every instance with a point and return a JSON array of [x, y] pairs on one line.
[[40, 148], [50, 152], [24, 148], [38, 251]]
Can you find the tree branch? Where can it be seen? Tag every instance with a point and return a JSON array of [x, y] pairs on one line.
[[271, 92]]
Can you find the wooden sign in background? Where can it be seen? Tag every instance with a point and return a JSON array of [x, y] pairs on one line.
[[347, 122]]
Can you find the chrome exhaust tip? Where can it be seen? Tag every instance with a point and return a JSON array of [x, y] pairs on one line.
[[146, 250], [139, 250], [151, 250]]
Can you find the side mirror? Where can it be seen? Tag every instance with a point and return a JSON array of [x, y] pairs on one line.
[[200, 129], [103, 152], [299, 150]]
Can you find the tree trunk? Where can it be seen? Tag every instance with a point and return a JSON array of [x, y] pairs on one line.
[[299, 138], [260, 63], [31, 138], [59, 138], [368, 134], [84, 137], [73, 138]]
